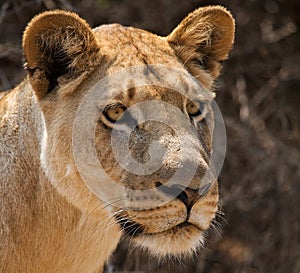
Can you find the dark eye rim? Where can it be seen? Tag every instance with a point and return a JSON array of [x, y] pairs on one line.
[[202, 105], [112, 106]]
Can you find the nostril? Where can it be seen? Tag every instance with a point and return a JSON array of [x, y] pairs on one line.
[[189, 198], [187, 195], [184, 198]]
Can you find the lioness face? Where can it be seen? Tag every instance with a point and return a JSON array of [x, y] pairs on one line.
[[66, 60], [176, 214]]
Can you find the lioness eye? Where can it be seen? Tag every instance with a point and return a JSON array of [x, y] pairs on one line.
[[195, 108], [114, 112]]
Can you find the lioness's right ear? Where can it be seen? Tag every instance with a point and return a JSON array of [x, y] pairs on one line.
[[55, 43]]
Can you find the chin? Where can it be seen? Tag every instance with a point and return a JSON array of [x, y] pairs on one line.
[[181, 240]]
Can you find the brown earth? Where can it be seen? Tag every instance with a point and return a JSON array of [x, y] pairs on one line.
[[259, 96]]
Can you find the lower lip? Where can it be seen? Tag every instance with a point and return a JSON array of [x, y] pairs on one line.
[[182, 225]]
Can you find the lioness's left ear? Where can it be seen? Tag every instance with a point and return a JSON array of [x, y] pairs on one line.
[[204, 38], [55, 43]]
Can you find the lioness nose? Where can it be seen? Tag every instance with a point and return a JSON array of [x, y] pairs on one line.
[[187, 195]]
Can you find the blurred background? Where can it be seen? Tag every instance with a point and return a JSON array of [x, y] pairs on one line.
[[259, 96]]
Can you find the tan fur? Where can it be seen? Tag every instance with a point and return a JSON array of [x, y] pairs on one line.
[[49, 220], [205, 38]]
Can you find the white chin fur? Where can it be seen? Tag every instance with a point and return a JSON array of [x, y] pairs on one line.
[[178, 241]]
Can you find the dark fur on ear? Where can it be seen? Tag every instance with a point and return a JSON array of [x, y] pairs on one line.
[[55, 43], [204, 38]]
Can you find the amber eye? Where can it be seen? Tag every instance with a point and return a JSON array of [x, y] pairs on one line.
[[114, 112], [195, 108]]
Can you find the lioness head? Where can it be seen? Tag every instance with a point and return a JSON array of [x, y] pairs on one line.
[[153, 141]]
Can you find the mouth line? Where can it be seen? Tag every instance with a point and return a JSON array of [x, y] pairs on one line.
[[172, 229], [133, 229]]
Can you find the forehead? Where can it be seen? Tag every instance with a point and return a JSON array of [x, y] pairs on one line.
[[135, 95], [125, 46], [150, 68]]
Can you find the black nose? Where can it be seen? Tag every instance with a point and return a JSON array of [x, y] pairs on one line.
[[189, 197], [185, 194]]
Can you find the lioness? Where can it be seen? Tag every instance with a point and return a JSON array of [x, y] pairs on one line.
[[50, 219]]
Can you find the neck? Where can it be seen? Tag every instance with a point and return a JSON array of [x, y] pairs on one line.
[[41, 231], [20, 125]]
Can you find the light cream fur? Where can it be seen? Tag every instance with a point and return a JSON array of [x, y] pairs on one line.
[[49, 220]]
